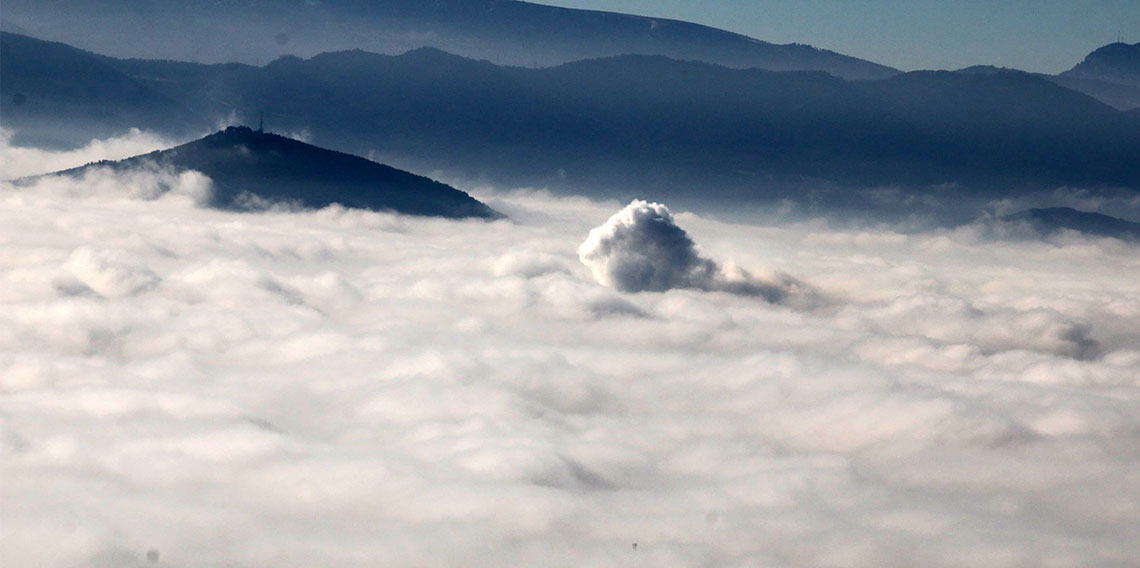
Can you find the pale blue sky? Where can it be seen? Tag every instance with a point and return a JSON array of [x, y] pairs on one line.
[[1034, 35]]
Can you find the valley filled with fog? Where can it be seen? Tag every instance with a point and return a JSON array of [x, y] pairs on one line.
[[196, 387]]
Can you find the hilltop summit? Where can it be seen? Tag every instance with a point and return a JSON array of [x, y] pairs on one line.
[[1115, 62], [250, 165]]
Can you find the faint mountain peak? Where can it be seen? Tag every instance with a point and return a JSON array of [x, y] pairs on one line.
[[430, 53], [1050, 220], [987, 70], [1115, 62], [287, 60]]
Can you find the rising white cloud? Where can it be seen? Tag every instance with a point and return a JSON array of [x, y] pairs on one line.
[[641, 248], [346, 387]]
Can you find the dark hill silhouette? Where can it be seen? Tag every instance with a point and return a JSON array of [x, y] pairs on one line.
[[1007, 126], [504, 31], [1053, 219], [1108, 75], [247, 165]]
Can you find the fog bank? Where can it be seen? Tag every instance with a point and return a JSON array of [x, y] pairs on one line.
[[357, 388]]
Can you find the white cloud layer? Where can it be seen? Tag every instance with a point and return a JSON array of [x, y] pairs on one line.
[[21, 161], [343, 387]]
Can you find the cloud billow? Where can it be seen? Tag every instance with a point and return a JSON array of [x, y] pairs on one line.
[[641, 249], [348, 384]]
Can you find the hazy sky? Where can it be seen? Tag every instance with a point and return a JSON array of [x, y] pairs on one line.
[[1034, 35]]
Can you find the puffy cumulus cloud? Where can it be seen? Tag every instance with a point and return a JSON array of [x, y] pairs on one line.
[[21, 161], [357, 388], [641, 248]]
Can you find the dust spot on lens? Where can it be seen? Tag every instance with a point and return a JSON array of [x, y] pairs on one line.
[[19, 99], [152, 555], [281, 38]]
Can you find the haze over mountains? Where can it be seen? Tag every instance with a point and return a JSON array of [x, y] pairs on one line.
[[502, 31], [620, 126], [506, 32], [1110, 73], [1117, 63], [624, 106], [71, 95]]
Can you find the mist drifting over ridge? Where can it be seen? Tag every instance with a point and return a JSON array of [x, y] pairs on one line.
[[358, 387]]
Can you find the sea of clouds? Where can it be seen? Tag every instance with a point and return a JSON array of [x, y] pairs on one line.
[[181, 386]]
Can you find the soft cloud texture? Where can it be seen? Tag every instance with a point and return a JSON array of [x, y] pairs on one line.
[[343, 387], [21, 161], [641, 248], [149, 182]]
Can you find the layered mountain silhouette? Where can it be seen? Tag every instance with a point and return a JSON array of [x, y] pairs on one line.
[[1111, 74], [654, 127], [1050, 220], [1117, 95], [504, 31], [254, 168], [48, 87], [1116, 63]]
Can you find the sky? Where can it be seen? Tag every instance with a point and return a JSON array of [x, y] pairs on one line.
[[586, 383], [1047, 36]]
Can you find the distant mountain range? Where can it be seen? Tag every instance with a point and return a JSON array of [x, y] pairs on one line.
[[1104, 83], [1111, 74], [53, 92], [254, 168], [623, 126], [503, 31]]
